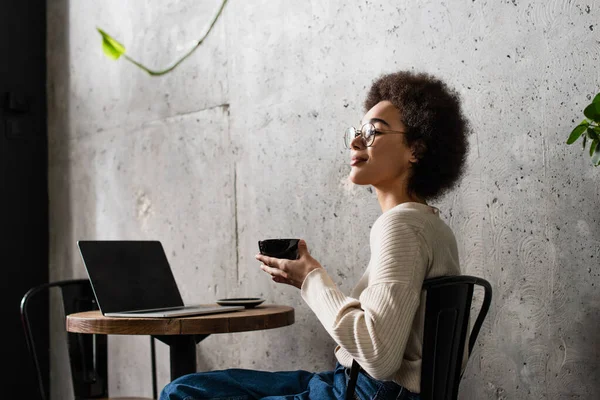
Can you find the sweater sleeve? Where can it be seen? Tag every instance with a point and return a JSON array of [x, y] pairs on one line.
[[374, 328]]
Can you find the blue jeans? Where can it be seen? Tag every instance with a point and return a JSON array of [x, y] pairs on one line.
[[245, 384]]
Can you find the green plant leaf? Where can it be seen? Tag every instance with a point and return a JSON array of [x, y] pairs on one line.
[[576, 133], [110, 46], [596, 99], [591, 133], [596, 157], [593, 147], [592, 112], [113, 49]]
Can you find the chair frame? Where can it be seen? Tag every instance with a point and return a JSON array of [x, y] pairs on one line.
[[88, 377], [435, 365]]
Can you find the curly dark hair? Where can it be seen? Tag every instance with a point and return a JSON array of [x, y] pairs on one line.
[[436, 128]]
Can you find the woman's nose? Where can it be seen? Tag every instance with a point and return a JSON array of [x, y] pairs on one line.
[[357, 142]]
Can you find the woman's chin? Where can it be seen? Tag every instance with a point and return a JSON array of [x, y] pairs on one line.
[[357, 179]]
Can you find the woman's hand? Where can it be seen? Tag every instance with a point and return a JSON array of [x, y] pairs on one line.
[[291, 272]]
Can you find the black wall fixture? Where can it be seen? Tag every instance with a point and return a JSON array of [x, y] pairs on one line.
[[23, 183]]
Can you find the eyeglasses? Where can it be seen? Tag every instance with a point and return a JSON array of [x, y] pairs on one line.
[[367, 133]]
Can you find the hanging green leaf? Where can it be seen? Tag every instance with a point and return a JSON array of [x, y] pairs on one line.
[[576, 133], [114, 49], [591, 134], [593, 147], [596, 157], [593, 111], [110, 46], [596, 99]]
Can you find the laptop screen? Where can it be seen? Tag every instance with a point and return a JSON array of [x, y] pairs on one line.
[[129, 275]]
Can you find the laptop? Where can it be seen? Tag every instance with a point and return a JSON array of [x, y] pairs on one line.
[[134, 279]]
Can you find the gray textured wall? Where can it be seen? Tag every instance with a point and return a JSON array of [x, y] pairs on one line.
[[243, 142]]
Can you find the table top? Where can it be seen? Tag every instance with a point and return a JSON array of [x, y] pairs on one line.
[[266, 316]]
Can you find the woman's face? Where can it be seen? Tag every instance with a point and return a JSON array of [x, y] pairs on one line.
[[387, 161]]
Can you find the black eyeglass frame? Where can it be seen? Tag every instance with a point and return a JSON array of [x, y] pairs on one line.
[[361, 133]]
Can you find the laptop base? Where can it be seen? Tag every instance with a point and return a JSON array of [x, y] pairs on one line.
[[175, 313]]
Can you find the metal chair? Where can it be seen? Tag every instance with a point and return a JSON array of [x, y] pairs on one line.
[[87, 353], [447, 312]]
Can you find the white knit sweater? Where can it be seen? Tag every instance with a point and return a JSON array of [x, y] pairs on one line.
[[381, 323]]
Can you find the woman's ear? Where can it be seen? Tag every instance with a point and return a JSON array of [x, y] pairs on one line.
[[413, 158], [417, 150]]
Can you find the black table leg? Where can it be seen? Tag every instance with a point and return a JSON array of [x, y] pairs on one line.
[[183, 356], [182, 349]]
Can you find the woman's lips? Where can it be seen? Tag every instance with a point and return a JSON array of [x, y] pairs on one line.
[[356, 161]]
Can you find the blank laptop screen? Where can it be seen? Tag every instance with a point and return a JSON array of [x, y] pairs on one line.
[[129, 275]]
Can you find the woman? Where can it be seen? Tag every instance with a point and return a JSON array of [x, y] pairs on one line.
[[411, 147]]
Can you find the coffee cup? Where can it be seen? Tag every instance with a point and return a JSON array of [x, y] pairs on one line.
[[279, 248]]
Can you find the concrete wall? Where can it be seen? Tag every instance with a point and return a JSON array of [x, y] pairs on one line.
[[243, 142]]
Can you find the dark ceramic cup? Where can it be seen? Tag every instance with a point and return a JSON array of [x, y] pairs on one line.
[[279, 248]]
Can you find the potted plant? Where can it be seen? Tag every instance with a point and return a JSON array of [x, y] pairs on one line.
[[589, 128]]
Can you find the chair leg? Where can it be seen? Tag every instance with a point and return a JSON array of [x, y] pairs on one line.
[[153, 355], [352, 382]]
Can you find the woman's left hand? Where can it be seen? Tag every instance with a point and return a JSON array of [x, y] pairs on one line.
[[291, 272]]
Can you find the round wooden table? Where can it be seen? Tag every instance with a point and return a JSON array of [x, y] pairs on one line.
[[182, 334]]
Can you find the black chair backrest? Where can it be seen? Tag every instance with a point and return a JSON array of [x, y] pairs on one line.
[[87, 353], [447, 313]]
